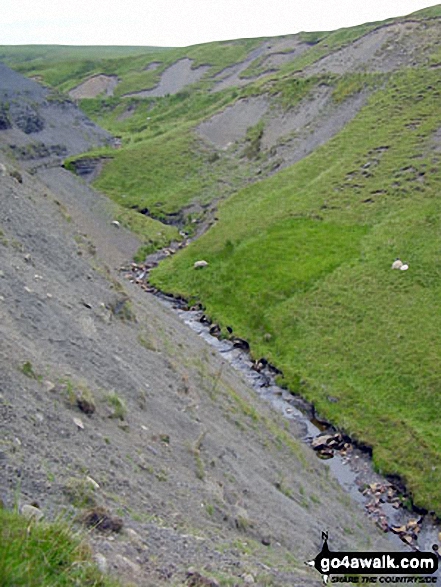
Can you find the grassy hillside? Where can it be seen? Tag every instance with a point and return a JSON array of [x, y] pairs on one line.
[[300, 256], [300, 264]]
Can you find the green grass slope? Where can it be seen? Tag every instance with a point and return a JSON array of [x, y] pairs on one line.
[[34, 553], [300, 265]]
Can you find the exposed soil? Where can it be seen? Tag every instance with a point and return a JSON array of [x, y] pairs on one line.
[[288, 135], [385, 49], [325, 124], [94, 86], [276, 60], [178, 446], [230, 76], [231, 125], [40, 127], [174, 79], [152, 66], [282, 123]]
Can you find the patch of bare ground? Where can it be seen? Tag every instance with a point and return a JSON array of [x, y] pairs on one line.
[[95, 86], [174, 79], [230, 76], [411, 46], [231, 124], [322, 127], [283, 51], [152, 66], [288, 135], [39, 128], [384, 49], [128, 113], [283, 122], [276, 60]]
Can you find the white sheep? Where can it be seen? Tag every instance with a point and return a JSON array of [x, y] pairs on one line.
[[200, 264], [397, 264]]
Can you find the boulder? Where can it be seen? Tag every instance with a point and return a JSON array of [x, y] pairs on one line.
[[31, 512]]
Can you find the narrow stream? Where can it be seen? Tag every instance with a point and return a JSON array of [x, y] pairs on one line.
[[381, 498]]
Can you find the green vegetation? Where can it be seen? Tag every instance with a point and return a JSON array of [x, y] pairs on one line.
[[118, 405], [80, 492], [300, 265], [39, 553], [28, 370]]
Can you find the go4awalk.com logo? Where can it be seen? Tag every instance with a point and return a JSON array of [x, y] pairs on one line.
[[390, 566]]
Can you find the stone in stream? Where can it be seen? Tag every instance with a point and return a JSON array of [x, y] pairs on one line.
[[215, 330], [240, 343]]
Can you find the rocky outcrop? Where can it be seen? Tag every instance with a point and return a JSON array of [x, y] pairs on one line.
[[29, 112]]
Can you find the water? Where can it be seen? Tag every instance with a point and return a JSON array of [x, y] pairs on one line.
[[352, 467]]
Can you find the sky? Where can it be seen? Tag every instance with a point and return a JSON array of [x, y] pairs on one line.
[[179, 23]]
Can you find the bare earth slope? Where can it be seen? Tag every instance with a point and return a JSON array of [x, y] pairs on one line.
[[39, 124], [201, 474]]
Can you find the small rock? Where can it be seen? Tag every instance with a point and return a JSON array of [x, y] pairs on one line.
[[116, 223], [49, 386], [240, 343], [31, 512], [125, 564], [321, 441], [215, 330], [49, 296], [134, 537], [28, 289], [398, 529], [200, 264], [248, 579], [92, 482], [101, 562], [79, 423], [404, 267]]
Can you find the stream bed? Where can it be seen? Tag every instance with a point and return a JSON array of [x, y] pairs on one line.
[[382, 499]]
